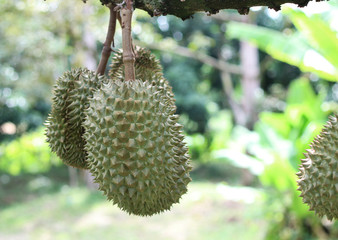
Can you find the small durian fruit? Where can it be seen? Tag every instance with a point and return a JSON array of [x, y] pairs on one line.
[[64, 124], [318, 177], [147, 66], [135, 147]]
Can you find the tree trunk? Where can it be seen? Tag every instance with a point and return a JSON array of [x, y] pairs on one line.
[[249, 81], [186, 8], [73, 177]]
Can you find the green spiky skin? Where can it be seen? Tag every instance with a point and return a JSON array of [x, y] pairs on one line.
[[146, 65], [64, 124], [318, 177], [147, 68], [135, 147]]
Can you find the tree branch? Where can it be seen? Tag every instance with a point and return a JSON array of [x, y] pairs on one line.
[[109, 39], [204, 58], [186, 8]]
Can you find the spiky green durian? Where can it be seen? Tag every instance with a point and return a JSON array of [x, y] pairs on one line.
[[135, 147], [318, 176], [147, 66], [64, 124]]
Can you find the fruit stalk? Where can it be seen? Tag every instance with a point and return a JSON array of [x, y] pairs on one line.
[[106, 51], [128, 53]]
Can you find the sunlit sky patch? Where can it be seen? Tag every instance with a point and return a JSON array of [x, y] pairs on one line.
[[255, 9], [312, 8], [163, 23], [274, 14]]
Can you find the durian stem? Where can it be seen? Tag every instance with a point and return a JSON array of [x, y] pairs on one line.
[[128, 53], [106, 51]]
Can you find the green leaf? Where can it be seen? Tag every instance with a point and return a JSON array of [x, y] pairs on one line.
[[302, 100], [300, 91], [292, 49], [274, 141], [280, 175], [277, 121], [220, 126], [320, 36]]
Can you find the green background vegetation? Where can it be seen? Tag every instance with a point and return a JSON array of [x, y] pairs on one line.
[[244, 182]]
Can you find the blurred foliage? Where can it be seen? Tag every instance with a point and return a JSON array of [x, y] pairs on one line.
[[39, 40], [188, 102], [29, 186], [29, 153], [26, 84], [313, 48]]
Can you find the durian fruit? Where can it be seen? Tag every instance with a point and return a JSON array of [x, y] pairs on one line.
[[64, 124], [147, 66], [318, 176], [135, 147]]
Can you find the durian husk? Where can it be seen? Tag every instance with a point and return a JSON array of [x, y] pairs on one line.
[[318, 176], [147, 68], [64, 130], [135, 147], [71, 93]]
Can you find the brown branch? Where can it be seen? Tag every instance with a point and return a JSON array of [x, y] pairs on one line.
[[237, 109], [204, 58], [128, 53], [186, 8], [106, 51]]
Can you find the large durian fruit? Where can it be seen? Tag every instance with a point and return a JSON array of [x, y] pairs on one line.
[[64, 124], [135, 147], [318, 177]]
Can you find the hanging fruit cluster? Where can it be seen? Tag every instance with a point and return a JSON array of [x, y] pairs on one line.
[[123, 128]]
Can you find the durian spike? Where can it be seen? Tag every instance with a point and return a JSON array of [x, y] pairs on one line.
[[128, 53]]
